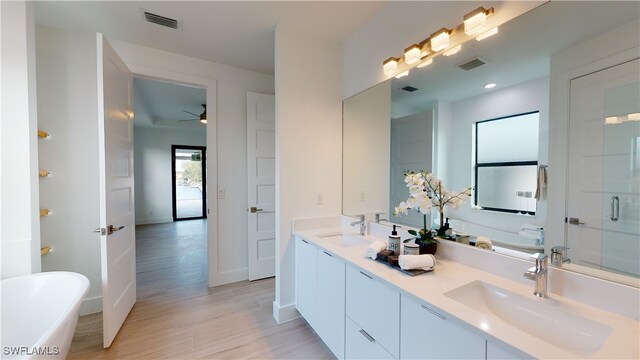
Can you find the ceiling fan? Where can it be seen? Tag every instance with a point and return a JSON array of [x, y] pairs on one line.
[[202, 117]]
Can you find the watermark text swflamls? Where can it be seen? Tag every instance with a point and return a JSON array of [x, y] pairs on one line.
[[30, 351]]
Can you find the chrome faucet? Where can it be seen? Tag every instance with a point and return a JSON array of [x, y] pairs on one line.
[[362, 223], [559, 256], [378, 219], [538, 274]]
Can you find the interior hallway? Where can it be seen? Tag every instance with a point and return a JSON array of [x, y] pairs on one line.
[[177, 316]]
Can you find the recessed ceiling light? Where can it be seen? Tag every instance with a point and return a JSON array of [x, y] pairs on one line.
[[489, 85]]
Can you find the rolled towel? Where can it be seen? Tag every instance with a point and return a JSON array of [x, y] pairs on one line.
[[410, 262], [372, 250], [484, 242]]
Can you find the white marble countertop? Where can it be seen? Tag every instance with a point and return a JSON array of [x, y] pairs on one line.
[[622, 341]]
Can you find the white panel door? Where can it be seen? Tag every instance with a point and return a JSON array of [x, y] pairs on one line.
[[604, 167], [115, 138], [261, 181]]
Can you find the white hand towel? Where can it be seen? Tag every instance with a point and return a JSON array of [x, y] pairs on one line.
[[374, 248], [484, 242], [424, 262], [541, 183]]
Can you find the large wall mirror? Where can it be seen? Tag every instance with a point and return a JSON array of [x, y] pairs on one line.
[[556, 93]]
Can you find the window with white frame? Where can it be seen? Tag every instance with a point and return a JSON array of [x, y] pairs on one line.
[[506, 162]]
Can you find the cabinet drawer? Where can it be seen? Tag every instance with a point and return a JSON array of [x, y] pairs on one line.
[[361, 345], [428, 334], [330, 314], [375, 307]]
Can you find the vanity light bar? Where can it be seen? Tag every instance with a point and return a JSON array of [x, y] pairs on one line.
[[474, 23]]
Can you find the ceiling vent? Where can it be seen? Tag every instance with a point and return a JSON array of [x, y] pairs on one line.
[[160, 20], [409, 88], [472, 64]]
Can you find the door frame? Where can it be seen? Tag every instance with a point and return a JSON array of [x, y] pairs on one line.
[[210, 86], [174, 207]]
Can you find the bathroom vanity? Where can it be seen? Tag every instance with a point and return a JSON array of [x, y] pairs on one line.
[[364, 309]]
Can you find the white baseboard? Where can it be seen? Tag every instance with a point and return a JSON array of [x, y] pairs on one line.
[[229, 276], [91, 305], [151, 221], [282, 314]]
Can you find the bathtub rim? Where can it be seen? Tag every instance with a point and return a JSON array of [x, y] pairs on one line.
[[67, 311]]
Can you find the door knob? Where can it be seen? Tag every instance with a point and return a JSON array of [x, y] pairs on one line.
[[111, 229], [254, 209]]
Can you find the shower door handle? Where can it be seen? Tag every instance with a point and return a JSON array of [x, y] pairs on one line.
[[575, 221], [615, 208]]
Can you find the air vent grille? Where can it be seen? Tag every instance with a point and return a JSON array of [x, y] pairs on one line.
[[472, 64], [409, 88], [161, 20]]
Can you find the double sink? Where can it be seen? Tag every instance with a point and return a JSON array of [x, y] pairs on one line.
[[547, 319]]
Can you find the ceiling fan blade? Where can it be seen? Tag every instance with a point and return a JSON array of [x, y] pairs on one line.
[[189, 112]]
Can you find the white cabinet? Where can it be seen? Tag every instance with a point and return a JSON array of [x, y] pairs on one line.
[[307, 280], [499, 351], [331, 302], [361, 345], [375, 307], [427, 334]]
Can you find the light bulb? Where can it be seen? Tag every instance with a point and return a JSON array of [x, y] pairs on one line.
[[412, 54], [440, 40], [390, 66], [475, 21]]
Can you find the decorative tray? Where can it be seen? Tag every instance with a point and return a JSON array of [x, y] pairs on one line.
[[413, 272]]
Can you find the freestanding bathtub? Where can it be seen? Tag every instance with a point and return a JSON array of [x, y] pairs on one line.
[[40, 313]]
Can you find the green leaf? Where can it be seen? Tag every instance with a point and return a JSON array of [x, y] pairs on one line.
[[412, 232]]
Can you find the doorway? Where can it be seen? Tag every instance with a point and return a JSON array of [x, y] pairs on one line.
[[189, 182]]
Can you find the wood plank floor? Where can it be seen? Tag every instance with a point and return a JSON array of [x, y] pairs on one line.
[[178, 317]]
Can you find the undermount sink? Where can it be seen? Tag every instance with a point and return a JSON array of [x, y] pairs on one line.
[[546, 319], [343, 239]]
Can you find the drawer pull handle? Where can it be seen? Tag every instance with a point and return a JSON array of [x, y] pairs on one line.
[[367, 336], [434, 313], [366, 275], [327, 253], [305, 241]]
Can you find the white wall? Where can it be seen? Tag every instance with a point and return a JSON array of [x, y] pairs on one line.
[[19, 223], [152, 163], [227, 146], [400, 24], [367, 140], [308, 144], [613, 47], [527, 97], [68, 110]]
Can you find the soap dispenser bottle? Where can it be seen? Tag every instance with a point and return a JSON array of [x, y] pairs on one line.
[[394, 241]]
